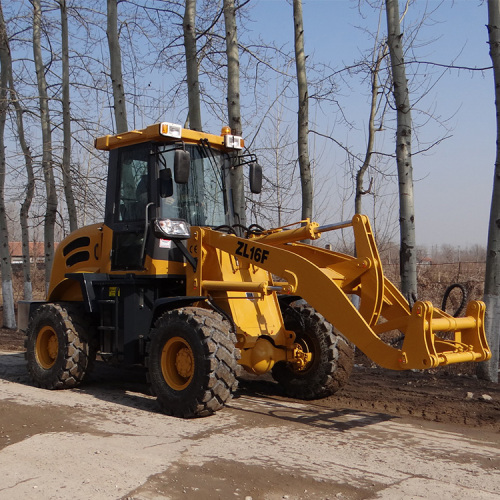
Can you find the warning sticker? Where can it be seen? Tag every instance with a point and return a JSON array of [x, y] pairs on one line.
[[165, 243]]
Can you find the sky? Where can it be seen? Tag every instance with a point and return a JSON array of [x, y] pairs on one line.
[[453, 182]]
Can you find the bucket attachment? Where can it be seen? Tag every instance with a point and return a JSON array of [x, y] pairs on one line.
[[426, 344]]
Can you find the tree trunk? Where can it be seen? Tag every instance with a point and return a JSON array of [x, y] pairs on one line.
[[115, 59], [9, 317], [489, 369], [408, 254], [303, 114], [47, 163], [233, 108], [66, 159], [360, 174], [30, 185], [193, 83]]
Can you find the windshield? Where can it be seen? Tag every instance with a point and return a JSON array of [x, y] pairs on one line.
[[201, 201]]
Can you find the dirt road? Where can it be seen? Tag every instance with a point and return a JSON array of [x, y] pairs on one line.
[[106, 440]]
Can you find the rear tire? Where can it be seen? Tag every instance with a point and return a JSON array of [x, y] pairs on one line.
[[332, 356], [192, 362], [57, 347]]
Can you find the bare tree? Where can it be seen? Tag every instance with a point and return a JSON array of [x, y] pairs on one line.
[[276, 204], [378, 57], [408, 254], [115, 59], [233, 106], [489, 369], [193, 83], [28, 161], [47, 162], [9, 317], [66, 158], [303, 114]]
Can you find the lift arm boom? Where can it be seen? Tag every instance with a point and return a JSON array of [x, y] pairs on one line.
[[326, 279]]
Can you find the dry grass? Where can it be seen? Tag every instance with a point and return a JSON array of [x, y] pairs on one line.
[[434, 279], [37, 282]]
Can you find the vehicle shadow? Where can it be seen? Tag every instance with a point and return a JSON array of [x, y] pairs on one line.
[[13, 367], [268, 398], [125, 386], [259, 397]]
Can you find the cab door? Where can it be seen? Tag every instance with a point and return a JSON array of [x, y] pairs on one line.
[[128, 204]]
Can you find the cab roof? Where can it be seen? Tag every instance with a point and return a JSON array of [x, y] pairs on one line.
[[164, 132]]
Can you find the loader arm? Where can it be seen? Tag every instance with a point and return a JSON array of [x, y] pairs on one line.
[[326, 279]]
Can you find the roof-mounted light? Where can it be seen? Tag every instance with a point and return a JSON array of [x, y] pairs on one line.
[[231, 141], [234, 142], [173, 130]]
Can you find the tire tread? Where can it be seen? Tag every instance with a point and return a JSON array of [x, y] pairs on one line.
[[336, 355], [221, 361], [77, 359]]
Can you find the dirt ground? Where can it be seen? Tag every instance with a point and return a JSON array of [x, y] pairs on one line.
[[260, 447], [447, 395]]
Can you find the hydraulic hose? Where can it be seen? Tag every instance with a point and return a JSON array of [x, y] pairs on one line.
[[447, 294]]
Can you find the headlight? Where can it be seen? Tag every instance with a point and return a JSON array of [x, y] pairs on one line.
[[172, 229]]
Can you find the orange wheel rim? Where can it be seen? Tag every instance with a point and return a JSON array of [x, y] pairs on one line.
[[177, 363], [47, 347]]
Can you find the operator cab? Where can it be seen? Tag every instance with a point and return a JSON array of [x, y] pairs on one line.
[[167, 178]]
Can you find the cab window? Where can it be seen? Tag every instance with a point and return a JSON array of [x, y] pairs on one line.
[[133, 189]]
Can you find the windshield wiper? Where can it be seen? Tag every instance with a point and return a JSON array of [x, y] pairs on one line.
[[209, 155]]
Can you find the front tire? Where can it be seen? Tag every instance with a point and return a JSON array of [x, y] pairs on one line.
[[58, 352], [332, 356], [192, 362]]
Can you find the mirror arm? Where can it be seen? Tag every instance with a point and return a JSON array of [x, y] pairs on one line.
[[191, 260]]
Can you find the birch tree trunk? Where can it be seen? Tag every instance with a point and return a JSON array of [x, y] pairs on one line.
[[193, 83], [9, 317], [360, 174], [115, 60], [233, 107], [303, 114], [489, 369], [47, 162], [30, 185], [408, 254], [66, 158]]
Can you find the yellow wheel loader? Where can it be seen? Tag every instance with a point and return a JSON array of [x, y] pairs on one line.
[[168, 280]]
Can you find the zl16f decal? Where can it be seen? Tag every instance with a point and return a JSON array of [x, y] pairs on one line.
[[250, 252]]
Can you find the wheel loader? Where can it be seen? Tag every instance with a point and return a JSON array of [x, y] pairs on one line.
[[170, 281]]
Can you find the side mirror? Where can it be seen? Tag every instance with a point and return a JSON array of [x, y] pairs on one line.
[[166, 183], [182, 162], [255, 178]]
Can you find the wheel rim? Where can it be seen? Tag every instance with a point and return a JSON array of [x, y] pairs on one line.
[[177, 363], [47, 347], [307, 346]]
